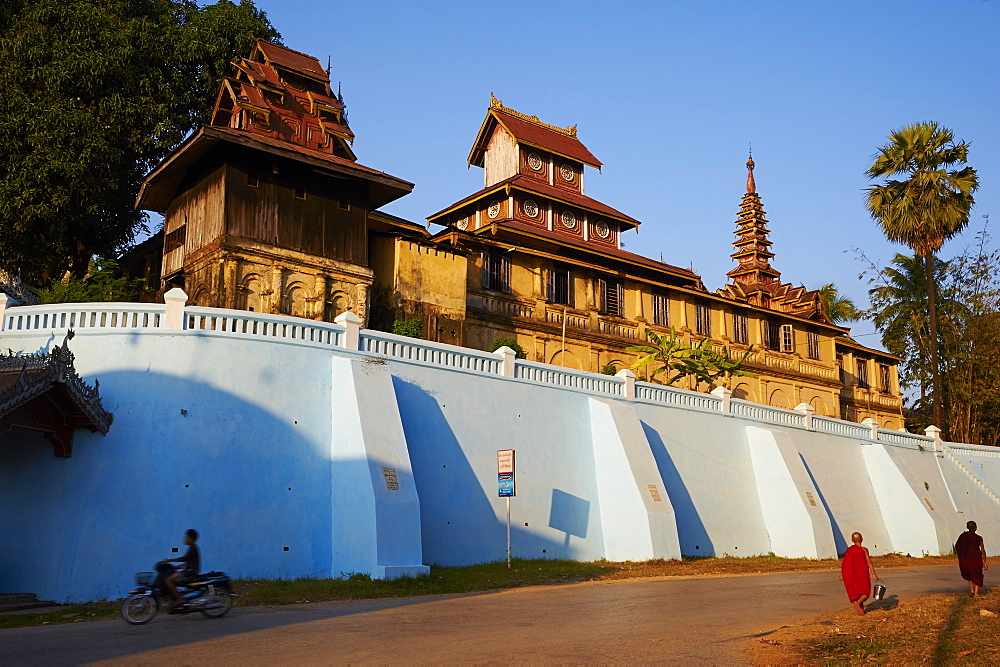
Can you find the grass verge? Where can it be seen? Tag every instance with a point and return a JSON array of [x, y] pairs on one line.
[[939, 629], [471, 578]]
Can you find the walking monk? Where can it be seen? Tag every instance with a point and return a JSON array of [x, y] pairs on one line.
[[854, 570], [971, 557]]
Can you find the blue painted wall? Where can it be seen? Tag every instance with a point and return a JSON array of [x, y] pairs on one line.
[[266, 444]]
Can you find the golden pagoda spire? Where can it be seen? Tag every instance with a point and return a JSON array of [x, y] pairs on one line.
[[751, 185]]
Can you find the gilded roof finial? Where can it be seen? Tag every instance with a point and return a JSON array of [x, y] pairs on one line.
[[751, 185]]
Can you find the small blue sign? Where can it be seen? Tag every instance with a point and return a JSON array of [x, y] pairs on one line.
[[505, 484]]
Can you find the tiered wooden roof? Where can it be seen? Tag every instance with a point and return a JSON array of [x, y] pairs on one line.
[[285, 94], [279, 102], [754, 280]]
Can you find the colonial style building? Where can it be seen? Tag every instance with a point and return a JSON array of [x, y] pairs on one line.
[[267, 209]]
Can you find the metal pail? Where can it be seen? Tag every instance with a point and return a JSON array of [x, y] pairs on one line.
[[879, 592]]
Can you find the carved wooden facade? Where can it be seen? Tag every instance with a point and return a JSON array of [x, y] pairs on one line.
[[266, 209]]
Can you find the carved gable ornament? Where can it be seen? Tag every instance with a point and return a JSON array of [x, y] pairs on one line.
[[43, 392]]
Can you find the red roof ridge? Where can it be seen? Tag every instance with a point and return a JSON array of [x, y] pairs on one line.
[[497, 105]]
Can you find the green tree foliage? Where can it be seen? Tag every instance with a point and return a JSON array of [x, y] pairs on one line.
[[413, 328], [968, 338], [95, 95], [676, 359], [102, 283], [927, 208], [505, 341], [837, 307]]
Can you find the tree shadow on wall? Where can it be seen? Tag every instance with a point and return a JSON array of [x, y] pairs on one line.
[[691, 532]]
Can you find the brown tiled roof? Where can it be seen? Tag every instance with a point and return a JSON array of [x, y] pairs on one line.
[[293, 60], [528, 184], [302, 150], [577, 242], [542, 137], [158, 189]]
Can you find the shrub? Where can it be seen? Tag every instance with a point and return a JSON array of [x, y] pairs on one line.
[[502, 341]]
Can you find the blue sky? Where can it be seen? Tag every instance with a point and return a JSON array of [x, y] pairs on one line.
[[668, 95]]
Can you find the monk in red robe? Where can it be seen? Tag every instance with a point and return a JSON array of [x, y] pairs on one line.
[[854, 570], [971, 557]]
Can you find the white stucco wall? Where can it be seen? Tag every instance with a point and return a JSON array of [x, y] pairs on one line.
[[273, 442]]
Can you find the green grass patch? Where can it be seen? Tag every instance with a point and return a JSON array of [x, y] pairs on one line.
[[94, 611], [441, 580]]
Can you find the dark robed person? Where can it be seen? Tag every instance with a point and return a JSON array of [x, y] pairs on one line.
[[971, 557], [854, 571]]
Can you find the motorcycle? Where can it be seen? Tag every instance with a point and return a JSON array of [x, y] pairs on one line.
[[209, 593]]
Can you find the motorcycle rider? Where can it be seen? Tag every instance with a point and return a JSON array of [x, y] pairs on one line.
[[191, 561]]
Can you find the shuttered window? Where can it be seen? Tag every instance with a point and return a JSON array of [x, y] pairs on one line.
[[812, 343], [703, 319], [863, 373], [740, 328], [496, 272], [787, 338], [559, 286], [612, 295], [771, 333], [661, 310]]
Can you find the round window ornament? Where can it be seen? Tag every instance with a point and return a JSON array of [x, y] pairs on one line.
[[494, 209], [530, 208], [568, 220], [463, 224], [535, 161], [567, 173], [602, 230]]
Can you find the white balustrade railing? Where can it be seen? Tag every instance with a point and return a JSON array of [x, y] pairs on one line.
[[438, 354], [766, 413], [911, 440], [975, 450], [82, 316], [841, 427], [160, 318], [658, 393], [979, 481], [567, 377], [258, 325]]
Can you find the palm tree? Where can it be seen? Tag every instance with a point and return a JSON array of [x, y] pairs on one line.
[[926, 209], [837, 307]]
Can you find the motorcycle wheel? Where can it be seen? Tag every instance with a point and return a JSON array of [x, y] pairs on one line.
[[227, 603], [139, 609]]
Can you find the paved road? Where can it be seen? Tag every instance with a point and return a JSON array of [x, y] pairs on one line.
[[702, 620]]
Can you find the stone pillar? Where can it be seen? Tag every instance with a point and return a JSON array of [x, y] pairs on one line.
[[5, 303], [508, 361], [628, 378], [726, 394], [807, 412], [873, 426], [352, 329], [230, 286], [933, 431], [319, 294], [277, 288], [176, 300]]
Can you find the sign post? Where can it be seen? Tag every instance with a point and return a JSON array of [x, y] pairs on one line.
[[505, 485]]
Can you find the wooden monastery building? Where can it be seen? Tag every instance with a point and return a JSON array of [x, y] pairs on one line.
[[267, 209]]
